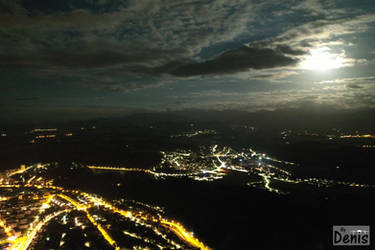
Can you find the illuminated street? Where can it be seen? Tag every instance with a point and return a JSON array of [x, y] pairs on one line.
[[52, 203]]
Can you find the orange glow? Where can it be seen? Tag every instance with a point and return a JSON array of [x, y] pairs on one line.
[[44, 136], [4, 198], [183, 234], [358, 136]]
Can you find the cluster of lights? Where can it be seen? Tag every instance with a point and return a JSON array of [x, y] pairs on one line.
[[195, 133], [70, 200], [358, 136], [210, 165]]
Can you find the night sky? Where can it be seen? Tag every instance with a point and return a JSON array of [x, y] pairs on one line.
[[100, 58]]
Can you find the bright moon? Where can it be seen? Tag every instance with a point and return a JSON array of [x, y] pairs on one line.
[[321, 59]]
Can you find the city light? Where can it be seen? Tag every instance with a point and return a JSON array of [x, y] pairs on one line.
[[82, 201]]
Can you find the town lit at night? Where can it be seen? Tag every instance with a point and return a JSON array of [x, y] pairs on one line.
[[173, 124]]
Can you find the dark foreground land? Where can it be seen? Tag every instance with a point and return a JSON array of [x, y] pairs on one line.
[[227, 213]]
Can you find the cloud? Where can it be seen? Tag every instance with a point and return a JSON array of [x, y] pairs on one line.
[[91, 59], [272, 75], [354, 86], [144, 38], [151, 24], [369, 80], [117, 83], [237, 60], [112, 43], [301, 39]]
